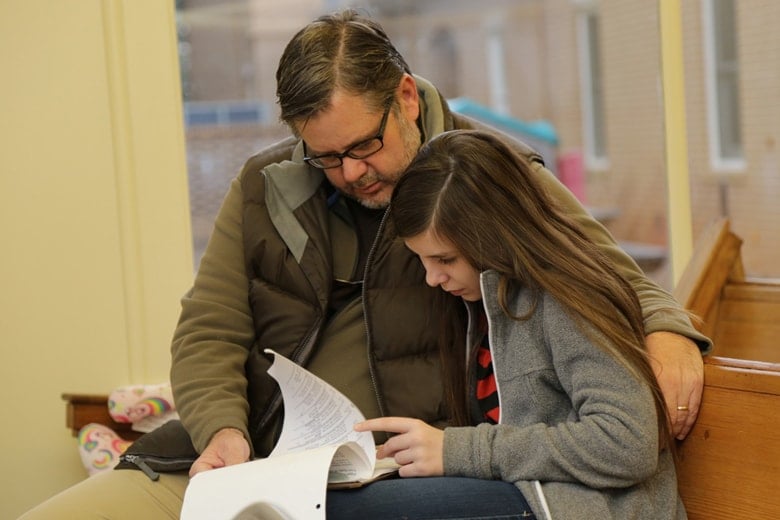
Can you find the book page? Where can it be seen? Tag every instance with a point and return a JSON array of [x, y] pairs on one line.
[[345, 480], [292, 486], [316, 414]]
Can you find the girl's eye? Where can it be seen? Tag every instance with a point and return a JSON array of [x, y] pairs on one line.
[[446, 261]]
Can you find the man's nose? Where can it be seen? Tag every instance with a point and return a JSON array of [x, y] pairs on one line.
[[353, 169]]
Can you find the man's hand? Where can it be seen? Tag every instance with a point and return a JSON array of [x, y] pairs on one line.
[[418, 447], [679, 368], [227, 447]]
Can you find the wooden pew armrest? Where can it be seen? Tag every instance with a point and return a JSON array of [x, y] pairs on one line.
[[82, 409]]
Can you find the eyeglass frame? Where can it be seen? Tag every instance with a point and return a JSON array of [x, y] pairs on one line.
[[380, 136]]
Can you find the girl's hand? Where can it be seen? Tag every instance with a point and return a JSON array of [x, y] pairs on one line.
[[418, 447]]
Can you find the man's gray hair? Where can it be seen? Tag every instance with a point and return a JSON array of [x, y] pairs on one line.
[[341, 51]]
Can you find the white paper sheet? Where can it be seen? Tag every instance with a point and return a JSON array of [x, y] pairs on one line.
[[294, 485]]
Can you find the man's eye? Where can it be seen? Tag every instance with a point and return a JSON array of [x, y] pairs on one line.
[[365, 145], [329, 160]]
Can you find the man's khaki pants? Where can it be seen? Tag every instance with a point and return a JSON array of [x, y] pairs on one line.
[[116, 495]]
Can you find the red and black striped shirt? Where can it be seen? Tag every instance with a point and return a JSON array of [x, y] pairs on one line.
[[487, 393]]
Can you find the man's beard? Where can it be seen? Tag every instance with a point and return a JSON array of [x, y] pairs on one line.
[[410, 139]]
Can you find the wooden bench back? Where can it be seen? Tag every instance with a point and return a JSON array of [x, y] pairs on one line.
[[730, 462]]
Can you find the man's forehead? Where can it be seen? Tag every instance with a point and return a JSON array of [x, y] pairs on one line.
[[345, 122]]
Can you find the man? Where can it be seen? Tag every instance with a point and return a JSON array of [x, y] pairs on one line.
[[301, 261]]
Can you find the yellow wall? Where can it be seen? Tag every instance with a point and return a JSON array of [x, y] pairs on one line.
[[94, 220]]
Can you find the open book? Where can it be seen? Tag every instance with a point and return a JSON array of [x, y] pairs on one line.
[[317, 449]]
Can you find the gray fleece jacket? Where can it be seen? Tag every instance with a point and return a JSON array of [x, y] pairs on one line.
[[577, 432]]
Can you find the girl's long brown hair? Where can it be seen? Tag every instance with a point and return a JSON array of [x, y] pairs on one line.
[[471, 189]]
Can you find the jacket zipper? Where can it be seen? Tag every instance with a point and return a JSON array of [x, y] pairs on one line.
[[536, 484], [141, 464], [371, 368], [543, 499], [276, 401], [164, 464]]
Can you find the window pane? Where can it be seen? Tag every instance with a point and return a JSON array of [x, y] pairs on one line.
[[726, 79], [596, 94]]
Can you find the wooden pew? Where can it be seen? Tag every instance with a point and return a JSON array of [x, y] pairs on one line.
[[730, 462]]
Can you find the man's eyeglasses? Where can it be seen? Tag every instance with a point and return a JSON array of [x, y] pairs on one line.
[[359, 150]]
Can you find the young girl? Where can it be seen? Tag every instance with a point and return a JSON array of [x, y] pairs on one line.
[[555, 393]]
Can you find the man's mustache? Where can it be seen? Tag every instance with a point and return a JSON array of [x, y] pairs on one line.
[[366, 180]]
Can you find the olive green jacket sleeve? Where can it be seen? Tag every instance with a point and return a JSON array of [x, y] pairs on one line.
[[660, 310], [214, 333]]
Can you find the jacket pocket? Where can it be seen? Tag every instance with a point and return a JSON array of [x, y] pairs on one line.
[[163, 450]]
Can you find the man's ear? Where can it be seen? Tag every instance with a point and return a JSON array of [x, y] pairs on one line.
[[409, 98]]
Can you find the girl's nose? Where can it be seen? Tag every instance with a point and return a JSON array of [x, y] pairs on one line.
[[434, 277]]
